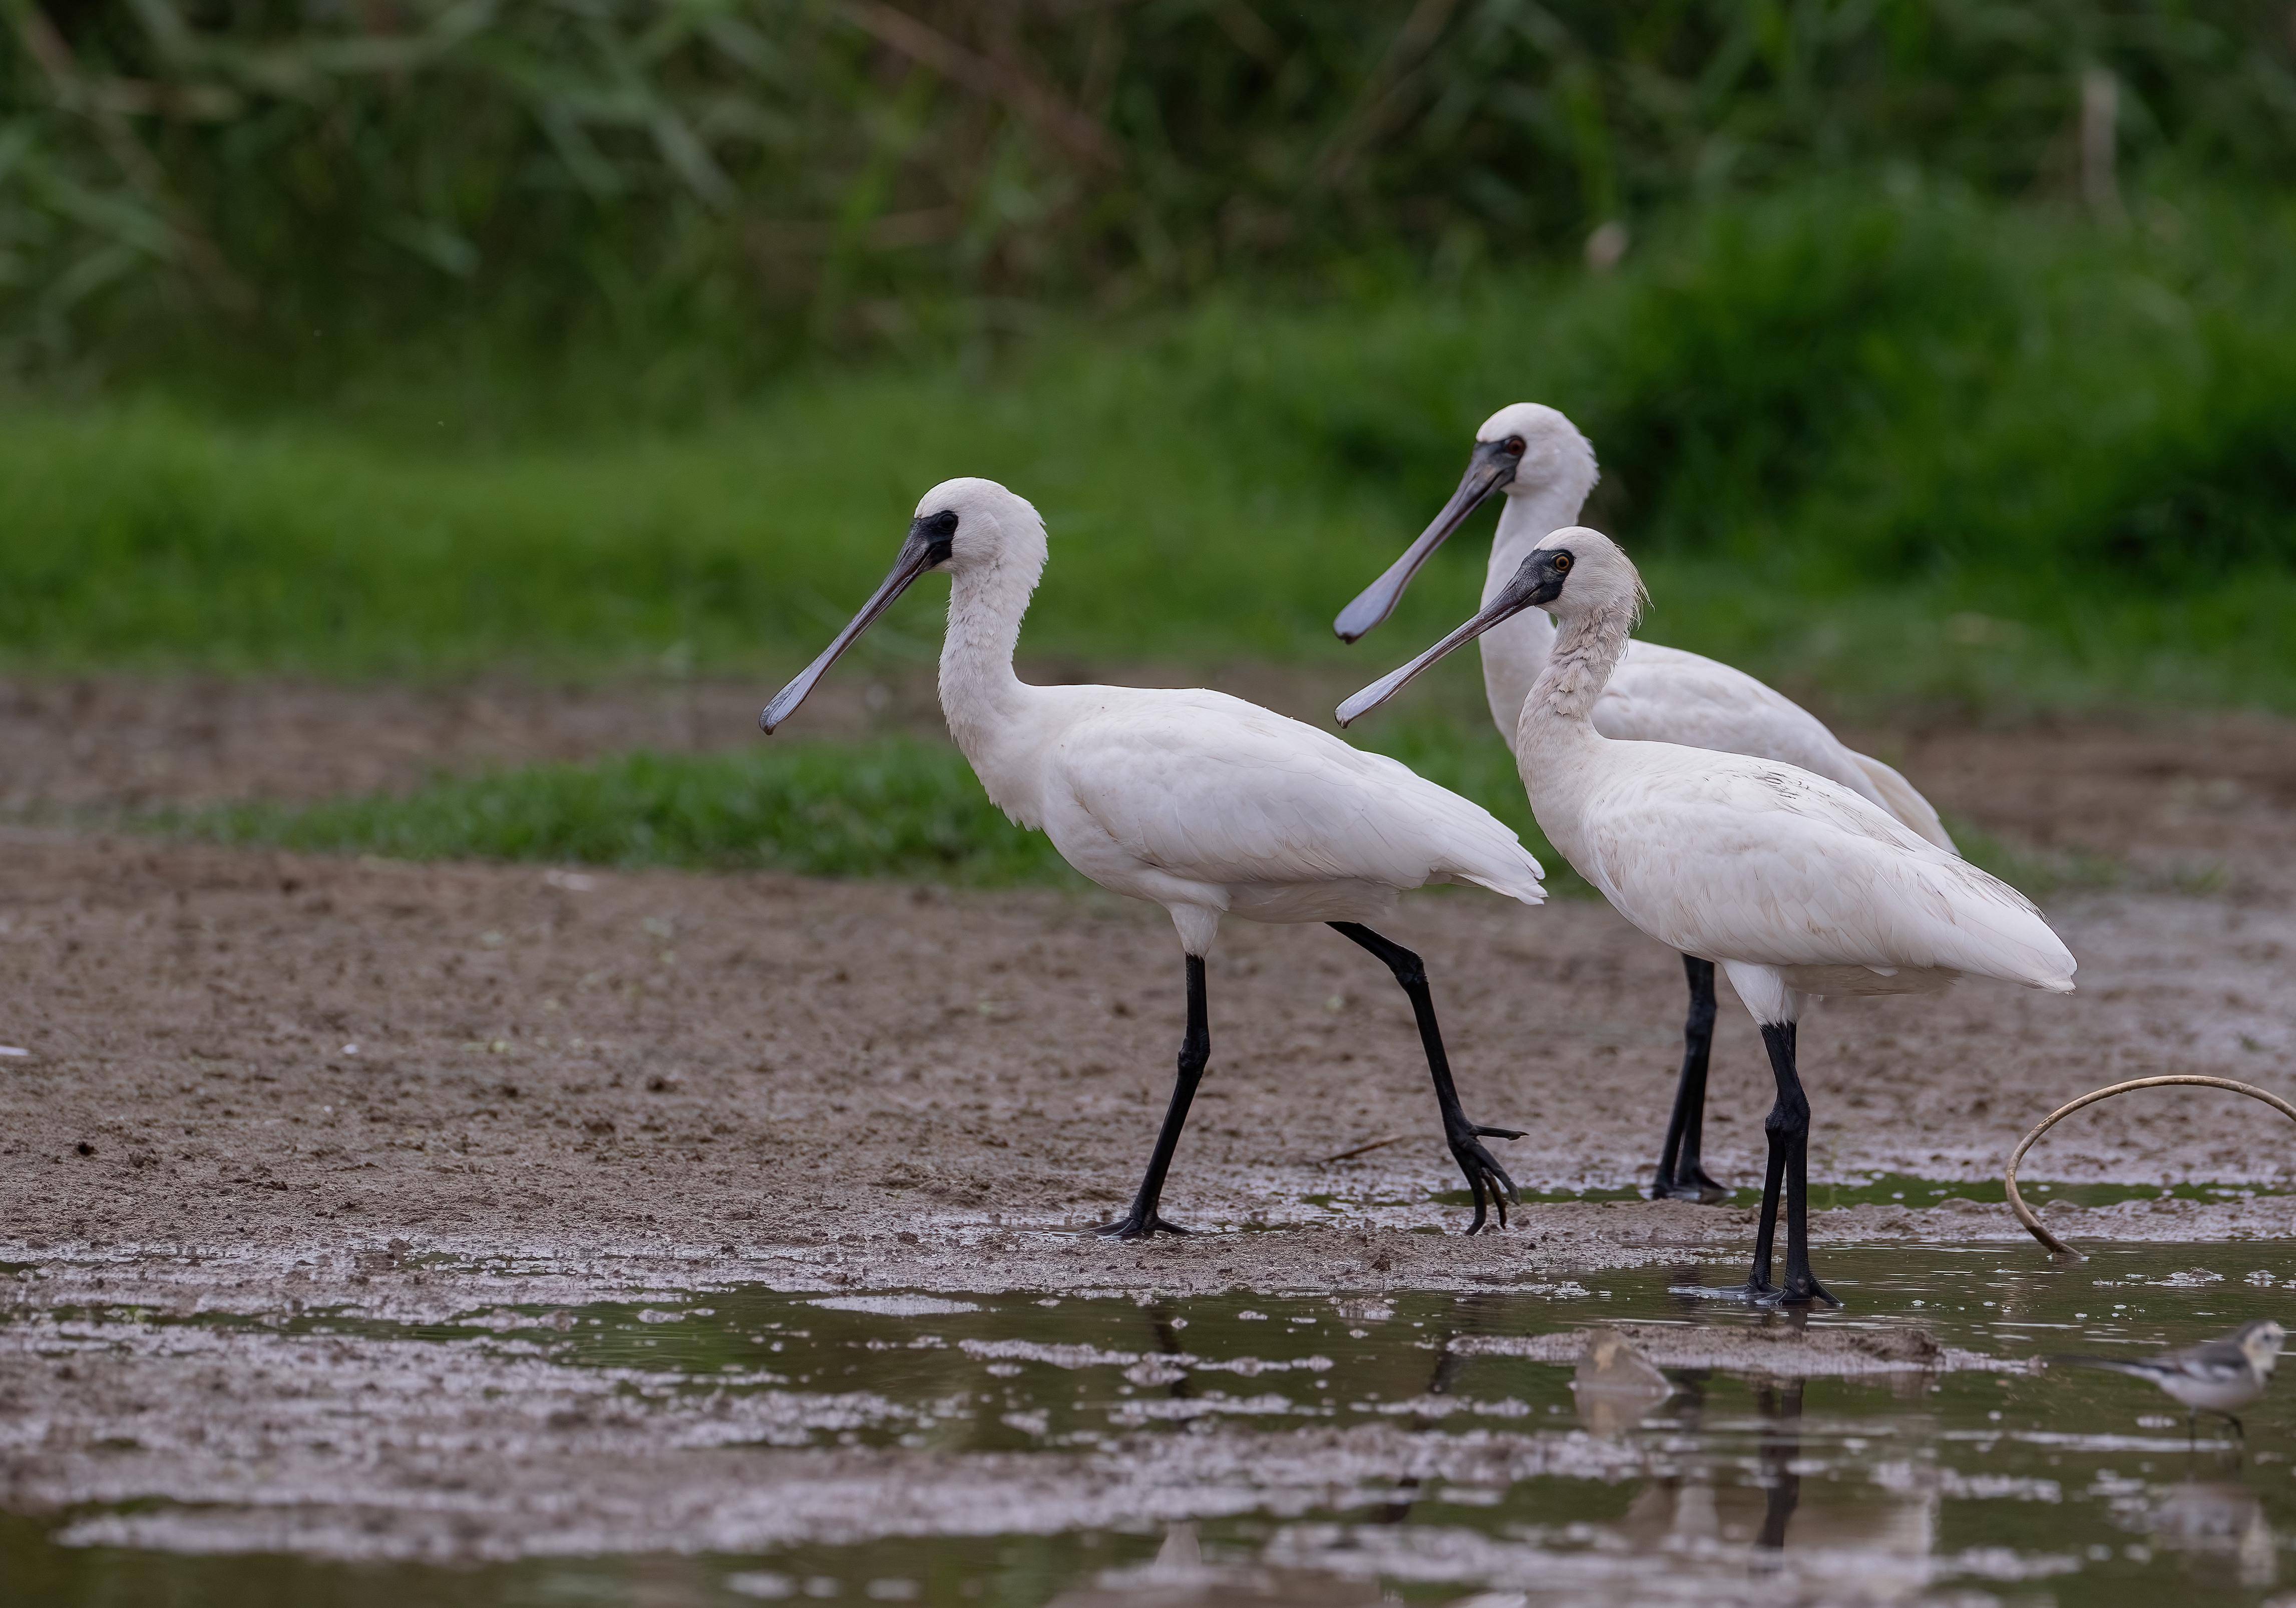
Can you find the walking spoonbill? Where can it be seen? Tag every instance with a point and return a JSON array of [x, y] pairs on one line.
[[1797, 886], [1535, 456], [1194, 801]]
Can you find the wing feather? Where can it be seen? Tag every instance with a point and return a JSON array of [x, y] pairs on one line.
[[1212, 789], [1794, 870]]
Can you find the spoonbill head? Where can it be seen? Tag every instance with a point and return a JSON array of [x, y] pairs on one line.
[[1525, 449], [1202, 803], [965, 524], [1575, 562]]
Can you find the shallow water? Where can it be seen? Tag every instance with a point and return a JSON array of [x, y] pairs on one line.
[[751, 1445]]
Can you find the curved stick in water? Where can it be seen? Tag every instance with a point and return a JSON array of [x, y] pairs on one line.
[[2025, 1213]]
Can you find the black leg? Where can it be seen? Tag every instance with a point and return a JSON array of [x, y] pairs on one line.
[[1195, 1053], [1788, 1127], [1765, 1223], [1681, 1173], [1485, 1176]]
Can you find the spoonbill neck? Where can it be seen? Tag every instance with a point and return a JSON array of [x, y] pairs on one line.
[[986, 704], [1515, 651], [1558, 715]]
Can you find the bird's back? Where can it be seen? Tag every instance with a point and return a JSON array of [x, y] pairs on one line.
[[1662, 694], [1733, 858], [1203, 786]]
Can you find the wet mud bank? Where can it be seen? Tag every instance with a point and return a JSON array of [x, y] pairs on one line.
[[299, 1064]]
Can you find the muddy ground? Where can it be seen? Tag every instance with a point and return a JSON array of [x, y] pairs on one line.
[[257, 1084], [250, 1055]]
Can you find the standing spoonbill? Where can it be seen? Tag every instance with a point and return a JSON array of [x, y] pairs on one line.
[[1545, 468], [1797, 886], [1194, 801]]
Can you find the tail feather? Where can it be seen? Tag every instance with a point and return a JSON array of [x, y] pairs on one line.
[[1475, 847], [1523, 885], [1905, 802], [2111, 1364]]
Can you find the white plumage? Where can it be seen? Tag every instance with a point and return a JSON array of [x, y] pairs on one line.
[[1197, 801], [1795, 884], [1545, 468], [1210, 806]]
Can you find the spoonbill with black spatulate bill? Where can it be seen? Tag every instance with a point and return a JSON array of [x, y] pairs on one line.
[[1797, 886], [1536, 459], [1194, 801]]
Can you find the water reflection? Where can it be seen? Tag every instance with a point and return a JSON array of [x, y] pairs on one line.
[[1616, 1386], [1621, 1443], [1710, 1500], [2218, 1526], [1179, 1577]]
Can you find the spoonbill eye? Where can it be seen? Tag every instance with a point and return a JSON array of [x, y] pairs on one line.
[[1562, 562], [1515, 447]]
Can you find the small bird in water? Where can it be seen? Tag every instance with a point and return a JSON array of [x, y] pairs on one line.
[[2214, 1376]]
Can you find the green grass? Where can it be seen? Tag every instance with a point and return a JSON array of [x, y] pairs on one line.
[[898, 808], [1884, 449], [894, 807], [891, 808]]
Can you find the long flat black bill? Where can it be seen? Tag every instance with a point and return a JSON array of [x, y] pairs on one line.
[[913, 563], [1508, 605], [1377, 601]]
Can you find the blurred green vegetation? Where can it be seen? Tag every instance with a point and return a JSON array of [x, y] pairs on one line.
[[1888, 445], [709, 186]]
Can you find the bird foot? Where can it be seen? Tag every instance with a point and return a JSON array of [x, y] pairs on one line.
[[1486, 1181], [1755, 1291], [1136, 1226], [1802, 1290], [1691, 1184]]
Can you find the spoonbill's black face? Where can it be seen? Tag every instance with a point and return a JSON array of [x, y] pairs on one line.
[[938, 532], [1540, 580], [1490, 469]]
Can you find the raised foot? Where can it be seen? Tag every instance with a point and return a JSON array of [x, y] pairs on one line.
[[1801, 1291], [1753, 1290], [1486, 1181], [1132, 1226]]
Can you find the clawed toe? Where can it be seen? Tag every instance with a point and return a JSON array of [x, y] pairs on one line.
[[1701, 1191], [1803, 1292], [1486, 1181], [1133, 1227]]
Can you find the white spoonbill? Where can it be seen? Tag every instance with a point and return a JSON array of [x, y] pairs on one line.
[[1797, 886], [1194, 801], [1545, 468]]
